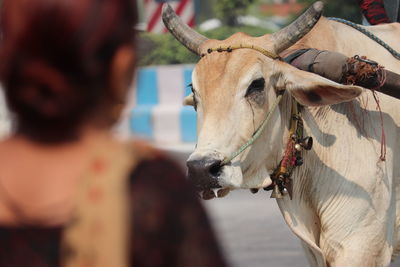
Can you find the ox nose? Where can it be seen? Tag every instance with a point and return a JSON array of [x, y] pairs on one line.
[[204, 172]]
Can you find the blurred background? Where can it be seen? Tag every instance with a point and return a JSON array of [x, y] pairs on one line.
[[154, 111], [219, 19], [250, 227]]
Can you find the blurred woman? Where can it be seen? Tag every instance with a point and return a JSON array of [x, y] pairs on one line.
[[71, 194]]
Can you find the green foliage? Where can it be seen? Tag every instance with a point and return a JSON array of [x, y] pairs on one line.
[[224, 32], [163, 49], [228, 10], [344, 9]]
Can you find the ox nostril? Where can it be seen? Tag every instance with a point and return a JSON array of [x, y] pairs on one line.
[[215, 168], [205, 172]]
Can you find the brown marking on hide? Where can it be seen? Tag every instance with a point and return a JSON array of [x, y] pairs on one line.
[[323, 95], [313, 97]]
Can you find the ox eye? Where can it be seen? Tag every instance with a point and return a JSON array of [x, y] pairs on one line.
[[255, 87]]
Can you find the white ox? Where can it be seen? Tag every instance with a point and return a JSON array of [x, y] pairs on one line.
[[345, 206]]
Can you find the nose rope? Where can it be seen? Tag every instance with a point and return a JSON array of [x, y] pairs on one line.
[[256, 134], [281, 179]]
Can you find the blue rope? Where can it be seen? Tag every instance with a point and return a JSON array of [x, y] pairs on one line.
[[369, 34]]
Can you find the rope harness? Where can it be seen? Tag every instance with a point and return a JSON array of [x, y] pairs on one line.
[[369, 34], [229, 49], [292, 157], [281, 177], [382, 78], [256, 133]]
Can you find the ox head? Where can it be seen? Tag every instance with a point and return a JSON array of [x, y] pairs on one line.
[[233, 91]]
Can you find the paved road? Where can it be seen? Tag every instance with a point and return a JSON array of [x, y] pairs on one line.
[[252, 231]]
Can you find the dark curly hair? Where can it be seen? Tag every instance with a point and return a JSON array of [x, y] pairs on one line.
[[55, 61]]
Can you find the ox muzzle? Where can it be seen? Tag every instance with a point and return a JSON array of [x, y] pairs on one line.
[[204, 172], [209, 175]]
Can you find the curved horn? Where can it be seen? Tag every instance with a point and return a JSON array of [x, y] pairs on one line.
[[183, 33], [289, 35]]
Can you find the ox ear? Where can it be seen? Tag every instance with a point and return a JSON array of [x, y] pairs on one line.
[[310, 89], [189, 100]]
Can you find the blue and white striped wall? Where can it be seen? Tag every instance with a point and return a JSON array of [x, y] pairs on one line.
[[157, 113], [154, 112], [5, 121]]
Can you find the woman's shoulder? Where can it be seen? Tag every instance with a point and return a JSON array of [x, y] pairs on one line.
[[154, 165], [159, 183], [146, 154]]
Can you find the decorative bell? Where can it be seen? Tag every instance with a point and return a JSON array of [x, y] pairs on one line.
[[307, 143], [276, 193], [298, 147]]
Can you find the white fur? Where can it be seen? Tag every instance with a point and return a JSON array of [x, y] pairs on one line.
[[346, 202]]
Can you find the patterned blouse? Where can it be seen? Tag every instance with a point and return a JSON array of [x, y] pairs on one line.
[[170, 227], [374, 11]]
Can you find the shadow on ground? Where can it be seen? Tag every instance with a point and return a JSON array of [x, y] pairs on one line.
[[251, 228]]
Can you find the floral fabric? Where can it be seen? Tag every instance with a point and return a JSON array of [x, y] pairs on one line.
[[170, 227], [374, 11]]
